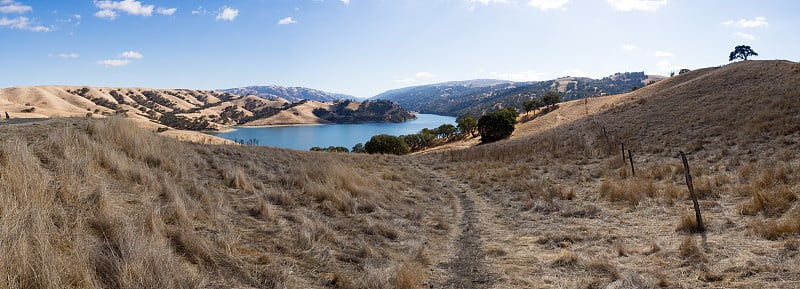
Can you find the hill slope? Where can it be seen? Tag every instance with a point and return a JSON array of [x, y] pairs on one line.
[[292, 94], [170, 108], [558, 202], [479, 96], [89, 203]]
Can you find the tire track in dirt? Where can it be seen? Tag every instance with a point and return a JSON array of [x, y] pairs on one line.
[[467, 268]]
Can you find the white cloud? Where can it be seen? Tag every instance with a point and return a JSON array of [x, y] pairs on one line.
[[665, 66], [227, 14], [628, 47], [575, 73], [425, 74], [115, 62], [663, 54], [12, 7], [530, 75], [745, 36], [107, 14], [109, 9], [405, 80], [748, 23], [68, 55], [545, 5], [631, 5], [22, 23], [131, 55], [200, 11], [166, 11], [417, 76], [487, 2], [287, 20], [346, 2]]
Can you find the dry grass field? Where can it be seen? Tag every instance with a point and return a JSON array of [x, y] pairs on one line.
[[100, 203]]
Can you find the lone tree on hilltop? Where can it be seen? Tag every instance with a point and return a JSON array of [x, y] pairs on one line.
[[742, 52]]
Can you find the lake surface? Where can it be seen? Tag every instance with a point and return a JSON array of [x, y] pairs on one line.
[[303, 137]]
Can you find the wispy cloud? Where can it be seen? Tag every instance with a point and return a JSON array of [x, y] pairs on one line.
[[641, 5], [417, 76], [530, 75], [19, 22], [663, 54], [108, 9], [227, 14], [123, 59], [346, 2], [545, 5], [114, 62], [22, 23], [748, 23], [287, 20], [628, 47], [665, 66], [166, 11], [68, 55], [486, 2], [576, 73], [745, 36], [425, 74], [200, 11], [14, 7], [405, 80], [131, 55]]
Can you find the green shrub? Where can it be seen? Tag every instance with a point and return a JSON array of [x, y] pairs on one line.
[[386, 144], [497, 125]]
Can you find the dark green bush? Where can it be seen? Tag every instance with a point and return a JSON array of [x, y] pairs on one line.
[[497, 125], [386, 144]]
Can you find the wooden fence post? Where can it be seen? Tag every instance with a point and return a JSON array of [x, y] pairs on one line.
[[630, 157], [623, 151], [700, 227]]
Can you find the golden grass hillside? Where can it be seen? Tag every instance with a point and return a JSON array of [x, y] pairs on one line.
[[87, 203], [561, 208], [103, 204]]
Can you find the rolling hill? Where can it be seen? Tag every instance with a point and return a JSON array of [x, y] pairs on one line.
[[99, 203], [185, 109], [477, 97], [292, 94]]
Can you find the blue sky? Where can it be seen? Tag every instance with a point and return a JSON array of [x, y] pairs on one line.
[[364, 47]]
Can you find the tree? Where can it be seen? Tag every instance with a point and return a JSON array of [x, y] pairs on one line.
[[358, 148], [418, 141], [467, 124], [497, 125], [445, 131], [551, 98], [533, 105], [742, 52], [386, 144]]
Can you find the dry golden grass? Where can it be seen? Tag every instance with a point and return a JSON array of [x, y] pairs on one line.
[[103, 204], [100, 204], [743, 145]]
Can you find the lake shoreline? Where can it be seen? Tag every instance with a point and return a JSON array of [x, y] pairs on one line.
[[305, 136]]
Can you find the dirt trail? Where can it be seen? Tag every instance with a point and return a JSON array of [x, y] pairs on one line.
[[469, 266]]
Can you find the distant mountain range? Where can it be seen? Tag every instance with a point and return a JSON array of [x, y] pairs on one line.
[[291, 94], [183, 109], [476, 97]]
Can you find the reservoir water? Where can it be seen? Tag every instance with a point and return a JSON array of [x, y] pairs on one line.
[[303, 137]]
